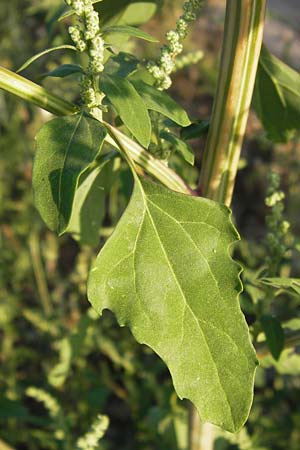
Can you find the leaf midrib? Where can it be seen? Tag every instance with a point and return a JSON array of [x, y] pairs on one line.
[[64, 165], [186, 302]]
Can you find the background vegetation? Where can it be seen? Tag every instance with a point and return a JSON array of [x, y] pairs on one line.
[[60, 365]]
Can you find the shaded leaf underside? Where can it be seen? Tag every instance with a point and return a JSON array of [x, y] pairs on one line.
[[167, 274]]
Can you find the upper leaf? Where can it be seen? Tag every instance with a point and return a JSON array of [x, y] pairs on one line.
[[63, 71], [125, 12], [161, 102], [129, 106], [65, 148], [129, 31], [277, 97], [166, 273]]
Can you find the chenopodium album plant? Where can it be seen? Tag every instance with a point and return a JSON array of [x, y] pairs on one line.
[[166, 271]]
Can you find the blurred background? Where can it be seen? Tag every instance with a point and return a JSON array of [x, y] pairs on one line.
[[60, 365]]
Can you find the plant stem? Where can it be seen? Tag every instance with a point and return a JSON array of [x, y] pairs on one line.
[[39, 273], [240, 54], [242, 42], [5, 446], [33, 93]]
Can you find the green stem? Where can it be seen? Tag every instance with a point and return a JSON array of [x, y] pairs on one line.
[[242, 42], [39, 273], [33, 93], [240, 54], [5, 446]]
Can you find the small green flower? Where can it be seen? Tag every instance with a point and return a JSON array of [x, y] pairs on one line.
[[162, 69]]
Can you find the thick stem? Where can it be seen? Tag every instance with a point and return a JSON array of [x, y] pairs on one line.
[[33, 93], [242, 42], [240, 54]]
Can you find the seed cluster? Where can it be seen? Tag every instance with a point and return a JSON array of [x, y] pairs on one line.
[[162, 69], [87, 37], [277, 226], [91, 440]]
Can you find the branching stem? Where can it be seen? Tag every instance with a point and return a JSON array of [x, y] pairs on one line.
[[33, 93]]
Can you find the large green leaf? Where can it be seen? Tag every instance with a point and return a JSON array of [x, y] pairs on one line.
[[161, 102], [277, 97], [65, 148], [129, 106], [167, 274]]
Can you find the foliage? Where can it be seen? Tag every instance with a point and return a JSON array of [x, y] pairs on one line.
[[57, 350]]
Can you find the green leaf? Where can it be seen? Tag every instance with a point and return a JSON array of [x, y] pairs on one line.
[[129, 31], [126, 12], [89, 204], [291, 285], [64, 71], [274, 334], [167, 274], [121, 65], [129, 106], [195, 130], [44, 52], [65, 148], [180, 146], [277, 97], [161, 102]]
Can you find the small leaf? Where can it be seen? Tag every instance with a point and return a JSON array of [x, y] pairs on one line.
[[129, 106], [65, 148], [274, 334], [129, 31], [89, 204], [195, 130], [166, 273], [44, 52], [277, 97], [291, 285], [161, 102], [64, 71], [180, 146]]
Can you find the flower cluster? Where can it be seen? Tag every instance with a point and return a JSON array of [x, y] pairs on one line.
[[91, 439], [162, 69], [277, 226], [87, 37], [48, 401], [187, 60]]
